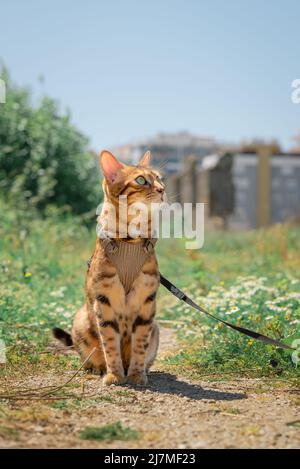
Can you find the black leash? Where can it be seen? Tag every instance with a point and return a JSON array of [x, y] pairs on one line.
[[182, 296], [255, 335]]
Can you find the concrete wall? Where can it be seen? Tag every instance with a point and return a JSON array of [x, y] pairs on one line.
[[254, 190]]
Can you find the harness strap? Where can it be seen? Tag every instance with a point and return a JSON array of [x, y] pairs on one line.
[[255, 335], [111, 246]]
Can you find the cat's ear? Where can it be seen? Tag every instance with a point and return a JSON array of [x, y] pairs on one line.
[[145, 161], [110, 165]]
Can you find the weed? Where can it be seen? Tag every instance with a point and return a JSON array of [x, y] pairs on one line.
[[111, 432]]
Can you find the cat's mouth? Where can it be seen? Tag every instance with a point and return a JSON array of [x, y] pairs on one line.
[[158, 197], [163, 197]]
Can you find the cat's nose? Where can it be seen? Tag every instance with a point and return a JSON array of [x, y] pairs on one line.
[[160, 189]]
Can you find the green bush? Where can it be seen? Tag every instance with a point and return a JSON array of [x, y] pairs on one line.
[[44, 159]]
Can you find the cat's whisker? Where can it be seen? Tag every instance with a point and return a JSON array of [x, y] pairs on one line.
[[174, 196]]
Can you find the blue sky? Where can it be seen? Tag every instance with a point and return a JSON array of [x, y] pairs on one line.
[[128, 69]]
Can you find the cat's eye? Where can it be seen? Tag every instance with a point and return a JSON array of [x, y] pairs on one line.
[[141, 180]]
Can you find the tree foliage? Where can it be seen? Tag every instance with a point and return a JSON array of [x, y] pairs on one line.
[[44, 159]]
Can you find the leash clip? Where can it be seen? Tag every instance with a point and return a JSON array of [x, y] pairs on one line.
[[110, 245], [148, 246]]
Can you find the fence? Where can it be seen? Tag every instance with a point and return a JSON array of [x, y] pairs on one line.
[[246, 190]]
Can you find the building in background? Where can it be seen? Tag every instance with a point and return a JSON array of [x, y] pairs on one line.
[[168, 150], [245, 186]]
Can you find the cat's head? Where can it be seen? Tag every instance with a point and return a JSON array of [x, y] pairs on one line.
[[139, 183]]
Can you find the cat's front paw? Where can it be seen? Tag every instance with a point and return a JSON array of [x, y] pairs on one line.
[[113, 378], [137, 378]]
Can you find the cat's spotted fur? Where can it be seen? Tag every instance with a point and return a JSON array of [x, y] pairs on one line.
[[120, 324]]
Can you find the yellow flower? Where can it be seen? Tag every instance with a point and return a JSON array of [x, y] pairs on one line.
[[27, 275], [250, 342]]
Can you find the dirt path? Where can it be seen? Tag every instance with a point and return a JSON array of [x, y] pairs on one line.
[[172, 412]]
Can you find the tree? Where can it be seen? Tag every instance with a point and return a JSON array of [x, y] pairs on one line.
[[44, 158]]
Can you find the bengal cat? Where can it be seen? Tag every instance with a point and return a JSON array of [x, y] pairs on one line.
[[117, 318]]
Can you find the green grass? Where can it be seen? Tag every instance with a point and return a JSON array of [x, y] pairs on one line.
[[8, 432], [112, 432], [251, 279], [56, 252]]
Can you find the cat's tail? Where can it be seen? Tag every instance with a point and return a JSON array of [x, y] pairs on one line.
[[63, 336]]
